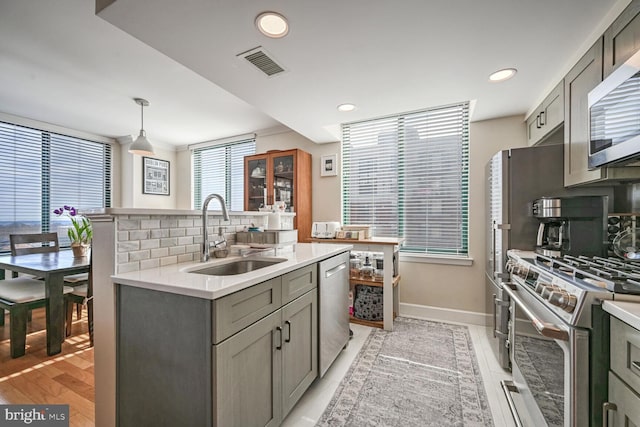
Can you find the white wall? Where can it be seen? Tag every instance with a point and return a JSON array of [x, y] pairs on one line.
[[131, 195]]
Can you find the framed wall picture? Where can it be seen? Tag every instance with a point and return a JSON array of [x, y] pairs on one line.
[[329, 165], [155, 176]]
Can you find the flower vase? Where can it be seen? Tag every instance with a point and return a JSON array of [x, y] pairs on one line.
[[80, 249]]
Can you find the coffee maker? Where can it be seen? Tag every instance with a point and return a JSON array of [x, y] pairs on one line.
[[571, 225]]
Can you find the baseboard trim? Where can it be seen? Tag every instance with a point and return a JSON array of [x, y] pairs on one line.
[[445, 314]]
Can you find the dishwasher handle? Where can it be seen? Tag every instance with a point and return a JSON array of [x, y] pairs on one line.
[[334, 270]]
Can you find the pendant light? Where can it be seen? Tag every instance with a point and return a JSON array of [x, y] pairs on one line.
[[141, 145]]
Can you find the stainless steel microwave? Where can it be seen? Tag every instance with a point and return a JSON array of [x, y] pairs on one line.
[[614, 117]]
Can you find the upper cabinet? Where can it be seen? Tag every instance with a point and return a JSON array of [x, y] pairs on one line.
[[582, 78], [547, 117], [280, 176], [622, 38]]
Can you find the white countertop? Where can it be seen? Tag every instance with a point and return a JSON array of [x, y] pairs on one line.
[[176, 278], [145, 211], [628, 312]]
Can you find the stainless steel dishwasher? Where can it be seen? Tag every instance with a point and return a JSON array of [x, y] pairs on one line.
[[333, 288]]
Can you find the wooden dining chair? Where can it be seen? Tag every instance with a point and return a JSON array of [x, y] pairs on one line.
[[19, 296], [33, 243], [82, 296]]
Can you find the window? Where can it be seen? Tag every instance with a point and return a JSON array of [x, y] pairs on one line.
[[407, 176], [220, 169], [42, 171]]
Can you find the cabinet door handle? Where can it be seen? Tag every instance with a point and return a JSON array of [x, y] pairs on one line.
[[288, 339], [538, 121], [279, 329], [606, 407], [542, 118], [635, 364]]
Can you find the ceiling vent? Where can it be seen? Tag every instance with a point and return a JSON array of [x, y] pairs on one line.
[[262, 61]]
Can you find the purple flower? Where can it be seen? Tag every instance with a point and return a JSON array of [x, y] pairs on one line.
[[73, 211], [67, 208], [57, 211]]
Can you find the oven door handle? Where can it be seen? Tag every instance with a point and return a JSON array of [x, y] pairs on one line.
[[545, 329]]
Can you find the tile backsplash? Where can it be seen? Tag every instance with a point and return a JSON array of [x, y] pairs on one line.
[[149, 241]]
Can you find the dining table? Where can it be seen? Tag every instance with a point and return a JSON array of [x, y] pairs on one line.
[[52, 267]]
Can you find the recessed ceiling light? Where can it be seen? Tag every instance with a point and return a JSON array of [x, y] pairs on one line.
[[346, 107], [272, 24], [502, 75]]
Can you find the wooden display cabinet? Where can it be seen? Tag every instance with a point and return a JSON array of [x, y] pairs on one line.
[[280, 176]]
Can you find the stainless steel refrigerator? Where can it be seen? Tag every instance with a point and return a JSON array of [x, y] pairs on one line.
[[514, 178]]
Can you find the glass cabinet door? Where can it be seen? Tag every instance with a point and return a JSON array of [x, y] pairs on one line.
[[257, 183], [283, 172]]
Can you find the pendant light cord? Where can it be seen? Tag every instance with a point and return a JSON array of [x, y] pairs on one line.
[[142, 117]]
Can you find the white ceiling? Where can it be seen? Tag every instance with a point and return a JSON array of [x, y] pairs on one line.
[[62, 64]]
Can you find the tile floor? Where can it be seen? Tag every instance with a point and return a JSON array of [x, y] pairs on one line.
[[312, 405]]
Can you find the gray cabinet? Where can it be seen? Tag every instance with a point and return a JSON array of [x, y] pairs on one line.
[[622, 38], [547, 117], [623, 406], [247, 383], [298, 282], [626, 411], [262, 371], [242, 360], [299, 348], [582, 78], [240, 309]]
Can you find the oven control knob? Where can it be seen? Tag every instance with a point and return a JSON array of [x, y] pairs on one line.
[[564, 300], [548, 290], [541, 286]]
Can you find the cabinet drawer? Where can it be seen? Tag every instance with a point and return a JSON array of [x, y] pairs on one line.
[[627, 411], [299, 282], [625, 352], [240, 309]]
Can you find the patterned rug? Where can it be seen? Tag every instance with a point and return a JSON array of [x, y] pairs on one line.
[[423, 373]]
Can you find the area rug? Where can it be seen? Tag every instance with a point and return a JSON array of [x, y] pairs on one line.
[[423, 373]]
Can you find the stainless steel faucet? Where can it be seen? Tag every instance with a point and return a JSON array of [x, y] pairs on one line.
[[205, 236]]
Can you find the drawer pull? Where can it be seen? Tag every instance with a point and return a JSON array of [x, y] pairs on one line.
[[606, 407], [635, 364]]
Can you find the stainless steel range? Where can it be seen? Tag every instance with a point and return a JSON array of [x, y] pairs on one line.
[[560, 335]]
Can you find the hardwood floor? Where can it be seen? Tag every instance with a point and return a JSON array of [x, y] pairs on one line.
[[66, 378]]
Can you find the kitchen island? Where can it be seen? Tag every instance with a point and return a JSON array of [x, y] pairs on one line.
[[199, 349], [131, 240]]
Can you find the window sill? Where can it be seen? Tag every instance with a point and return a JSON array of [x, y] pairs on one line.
[[436, 259]]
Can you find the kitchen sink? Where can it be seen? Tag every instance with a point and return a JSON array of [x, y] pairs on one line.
[[237, 267]]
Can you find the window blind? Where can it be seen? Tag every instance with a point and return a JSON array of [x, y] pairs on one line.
[[220, 169], [407, 176], [43, 171]]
